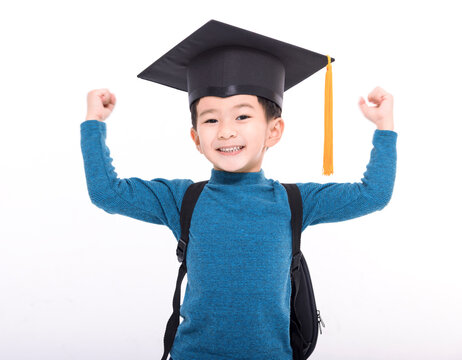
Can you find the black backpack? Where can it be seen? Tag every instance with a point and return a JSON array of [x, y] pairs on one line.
[[304, 316]]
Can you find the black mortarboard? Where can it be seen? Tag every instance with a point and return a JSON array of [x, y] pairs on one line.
[[223, 60]]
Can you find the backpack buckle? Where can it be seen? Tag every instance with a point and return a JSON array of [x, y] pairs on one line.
[[295, 262], [181, 250]]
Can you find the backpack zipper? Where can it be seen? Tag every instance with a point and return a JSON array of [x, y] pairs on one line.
[[320, 321]]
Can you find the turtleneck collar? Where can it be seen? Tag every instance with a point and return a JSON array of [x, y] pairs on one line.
[[236, 178]]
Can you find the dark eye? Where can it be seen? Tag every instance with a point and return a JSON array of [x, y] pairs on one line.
[[244, 116]]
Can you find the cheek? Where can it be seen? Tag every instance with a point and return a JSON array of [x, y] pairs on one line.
[[259, 135], [206, 138]]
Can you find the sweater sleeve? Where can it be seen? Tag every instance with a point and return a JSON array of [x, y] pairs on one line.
[[332, 202], [157, 201]]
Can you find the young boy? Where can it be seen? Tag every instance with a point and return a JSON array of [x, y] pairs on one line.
[[237, 300]]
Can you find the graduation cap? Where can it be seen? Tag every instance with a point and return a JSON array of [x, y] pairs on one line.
[[222, 60]]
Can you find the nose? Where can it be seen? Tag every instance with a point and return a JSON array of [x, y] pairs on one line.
[[226, 130]]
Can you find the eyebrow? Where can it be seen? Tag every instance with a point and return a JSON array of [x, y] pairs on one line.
[[234, 107]]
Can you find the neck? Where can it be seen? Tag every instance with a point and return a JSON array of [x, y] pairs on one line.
[[236, 178]]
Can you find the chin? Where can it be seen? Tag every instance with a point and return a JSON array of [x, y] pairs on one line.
[[228, 167], [231, 165]]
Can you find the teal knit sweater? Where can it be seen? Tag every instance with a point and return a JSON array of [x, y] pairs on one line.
[[237, 300]]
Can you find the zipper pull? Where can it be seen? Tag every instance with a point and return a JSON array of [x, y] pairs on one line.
[[320, 321]]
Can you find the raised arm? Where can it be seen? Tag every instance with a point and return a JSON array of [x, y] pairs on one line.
[[343, 201], [156, 201]]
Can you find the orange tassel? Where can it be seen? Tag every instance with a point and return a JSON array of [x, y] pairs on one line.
[[328, 165]]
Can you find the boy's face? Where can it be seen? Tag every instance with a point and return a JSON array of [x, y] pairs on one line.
[[225, 122]]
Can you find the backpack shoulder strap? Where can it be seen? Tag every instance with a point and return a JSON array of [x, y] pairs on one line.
[[187, 207], [296, 208]]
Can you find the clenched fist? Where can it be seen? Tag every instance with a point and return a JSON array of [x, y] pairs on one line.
[[100, 104], [382, 113]]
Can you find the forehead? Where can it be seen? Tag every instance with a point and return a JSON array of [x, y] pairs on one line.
[[226, 103]]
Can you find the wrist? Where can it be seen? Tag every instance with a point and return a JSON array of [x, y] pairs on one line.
[[386, 125], [92, 117], [391, 128]]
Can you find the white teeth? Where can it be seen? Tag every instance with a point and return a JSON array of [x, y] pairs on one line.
[[236, 148]]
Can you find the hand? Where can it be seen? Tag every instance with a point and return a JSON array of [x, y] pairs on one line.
[[382, 114], [100, 104]]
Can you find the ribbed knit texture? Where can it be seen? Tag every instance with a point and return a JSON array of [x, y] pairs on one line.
[[237, 299]]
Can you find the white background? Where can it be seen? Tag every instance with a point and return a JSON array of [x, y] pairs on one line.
[[79, 283]]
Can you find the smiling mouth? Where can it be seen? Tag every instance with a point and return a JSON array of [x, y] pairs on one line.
[[231, 151]]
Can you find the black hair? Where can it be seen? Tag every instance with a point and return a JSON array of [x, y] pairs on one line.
[[272, 110]]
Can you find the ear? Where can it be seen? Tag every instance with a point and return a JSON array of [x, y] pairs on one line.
[[274, 133], [195, 138]]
